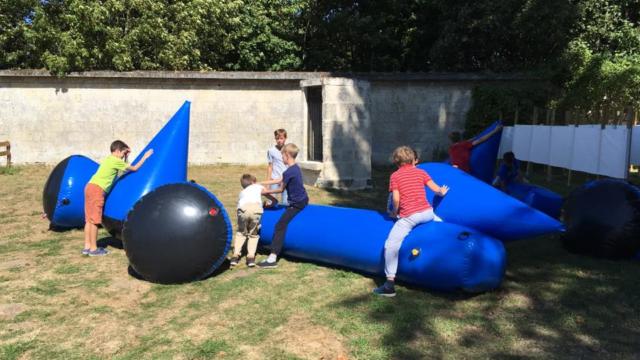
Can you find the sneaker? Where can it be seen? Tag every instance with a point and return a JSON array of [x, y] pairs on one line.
[[385, 290], [251, 262], [234, 260], [85, 251], [99, 252], [265, 264]]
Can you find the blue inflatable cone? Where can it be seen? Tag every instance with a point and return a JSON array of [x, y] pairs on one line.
[[167, 165], [484, 155], [477, 205]]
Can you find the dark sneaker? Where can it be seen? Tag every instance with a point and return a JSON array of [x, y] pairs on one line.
[[85, 251], [99, 252], [265, 264], [251, 262], [385, 290], [234, 260]]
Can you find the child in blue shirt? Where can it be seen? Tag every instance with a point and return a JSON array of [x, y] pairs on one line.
[[291, 181], [508, 172]]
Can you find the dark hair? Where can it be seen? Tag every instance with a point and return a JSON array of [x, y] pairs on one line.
[[280, 132], [118, 145], [455, 136], [509, 156], [247, 179]]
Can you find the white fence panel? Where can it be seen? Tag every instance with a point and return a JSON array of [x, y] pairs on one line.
[[522, 141], [540, 143], [613, 151], [506, 141], [561, 149], [635, 145], [586, 149]]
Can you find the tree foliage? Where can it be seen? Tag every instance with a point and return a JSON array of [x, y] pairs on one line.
[[589, 48]]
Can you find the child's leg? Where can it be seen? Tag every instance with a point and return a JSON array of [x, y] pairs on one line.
[[397, 234], [241, 234], [87, 235], [281, 229], [252, 233], [93, 237]]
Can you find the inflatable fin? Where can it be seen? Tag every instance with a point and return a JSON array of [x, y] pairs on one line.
[[484, 155], [168, 164], [435, 255], [63, 194], [477, 205]]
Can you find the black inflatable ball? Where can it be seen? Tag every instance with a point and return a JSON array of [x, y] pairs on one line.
[[176, 234], [603, 219]]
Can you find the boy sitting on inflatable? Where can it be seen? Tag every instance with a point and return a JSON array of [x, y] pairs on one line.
[[410, 206], [460, 150]]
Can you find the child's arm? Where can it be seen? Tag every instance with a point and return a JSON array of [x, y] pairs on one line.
[[272, 200], [396, 203], [486, 137], [269, 170], [271, 182], [142, 160], [440, 190]]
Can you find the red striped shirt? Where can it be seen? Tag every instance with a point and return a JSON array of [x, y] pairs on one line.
[[410, 182]]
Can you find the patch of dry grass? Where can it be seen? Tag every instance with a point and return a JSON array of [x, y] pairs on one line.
[[54, 303]]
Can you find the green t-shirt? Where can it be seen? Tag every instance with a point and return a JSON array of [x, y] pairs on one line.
[[107, 172]]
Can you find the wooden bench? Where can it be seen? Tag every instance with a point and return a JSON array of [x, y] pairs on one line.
[[7, 152]]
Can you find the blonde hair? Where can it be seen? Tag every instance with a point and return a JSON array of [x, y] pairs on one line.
[[403, 155], [291, 150]]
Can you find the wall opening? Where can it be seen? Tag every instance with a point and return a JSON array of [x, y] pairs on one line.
[[314, 123]]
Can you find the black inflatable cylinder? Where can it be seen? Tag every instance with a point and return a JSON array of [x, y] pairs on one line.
[[603, 219], [176, 234]]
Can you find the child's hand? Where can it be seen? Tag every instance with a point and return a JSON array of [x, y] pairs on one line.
[[148, 153], [444, 189]]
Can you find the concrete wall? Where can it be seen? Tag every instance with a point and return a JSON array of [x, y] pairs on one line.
[[416, 113], [232, 119]]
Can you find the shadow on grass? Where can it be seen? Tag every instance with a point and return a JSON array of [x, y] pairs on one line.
[[111, 242], [551, 304]]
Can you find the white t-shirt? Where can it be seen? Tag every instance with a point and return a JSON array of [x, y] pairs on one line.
[[252, 194], [274, 157]]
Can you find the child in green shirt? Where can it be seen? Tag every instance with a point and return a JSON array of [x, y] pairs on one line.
[[100, 184]]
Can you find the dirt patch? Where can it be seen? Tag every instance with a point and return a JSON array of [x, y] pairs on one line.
[[302, 338], [10, 311], [12, 264]]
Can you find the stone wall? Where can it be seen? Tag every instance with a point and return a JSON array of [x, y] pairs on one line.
[[232, 117], [416, 113]]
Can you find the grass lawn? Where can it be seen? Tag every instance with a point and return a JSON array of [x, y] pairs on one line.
[[55, 303]]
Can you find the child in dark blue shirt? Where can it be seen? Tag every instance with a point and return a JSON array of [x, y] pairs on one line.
[[508, 172], [291, 181]]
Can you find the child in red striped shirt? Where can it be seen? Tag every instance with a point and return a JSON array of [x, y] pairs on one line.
[[410, 205]]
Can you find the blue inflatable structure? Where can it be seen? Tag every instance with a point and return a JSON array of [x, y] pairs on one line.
[[537, 197], [482, 207], [436, 255], [484, 155], [167, 165], [63, 194]]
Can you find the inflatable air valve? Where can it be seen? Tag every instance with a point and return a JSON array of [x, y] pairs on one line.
[[63, 194], [176, 234], [475, 264], [168, 164]]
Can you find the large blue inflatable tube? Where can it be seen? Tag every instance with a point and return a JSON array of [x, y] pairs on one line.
[[484, 155], [63, 195], [480, 206], [537, 197], [450, 257], [167, 165]]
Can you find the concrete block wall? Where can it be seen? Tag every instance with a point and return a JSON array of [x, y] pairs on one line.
[[416, 113], [232, 120], [346, 132]]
